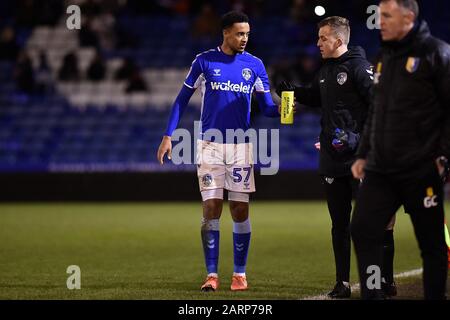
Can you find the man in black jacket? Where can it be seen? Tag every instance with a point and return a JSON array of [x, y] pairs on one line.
[[342, 90], [404, 148]]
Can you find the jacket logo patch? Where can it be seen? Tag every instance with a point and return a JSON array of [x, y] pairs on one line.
[[412, 64], [342, 78]]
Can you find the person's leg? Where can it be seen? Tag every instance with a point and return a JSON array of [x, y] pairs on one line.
[[339, 201], [376, 203], [211, 179], [387, 270], [423, 194], [210, 231], [431, 239], [239, 208], [210, 234], [240, 182]]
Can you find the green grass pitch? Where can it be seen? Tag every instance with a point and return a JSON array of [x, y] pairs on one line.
[[153, 251]]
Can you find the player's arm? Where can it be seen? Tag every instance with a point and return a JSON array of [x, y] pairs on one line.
[[263, 96], [443, 82], [266, 104], [178, 108], [364, 146], [305, 95], [442, 66]]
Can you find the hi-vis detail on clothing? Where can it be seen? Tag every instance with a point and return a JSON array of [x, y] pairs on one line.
[[412, 64]]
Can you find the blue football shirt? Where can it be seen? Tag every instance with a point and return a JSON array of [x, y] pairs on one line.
[[226, 83]]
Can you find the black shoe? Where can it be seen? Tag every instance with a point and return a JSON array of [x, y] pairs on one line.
[[389, 289], [340, 291]]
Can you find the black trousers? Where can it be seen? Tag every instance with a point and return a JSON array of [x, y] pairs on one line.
[[340, 192], [420, 191]]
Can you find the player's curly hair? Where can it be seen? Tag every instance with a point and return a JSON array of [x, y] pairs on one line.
[[232, 17]]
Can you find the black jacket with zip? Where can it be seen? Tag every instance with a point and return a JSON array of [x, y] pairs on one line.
[[409, 120], [342, 90]]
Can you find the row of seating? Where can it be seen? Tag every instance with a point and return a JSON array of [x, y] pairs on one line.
[[36, 134]]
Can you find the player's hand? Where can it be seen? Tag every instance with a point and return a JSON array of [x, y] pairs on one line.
[[317, 145], [358, 168], [165, 147]]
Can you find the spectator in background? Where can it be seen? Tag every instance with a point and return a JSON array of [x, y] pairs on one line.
[[8, 47], [300, 11], [43, 75], [206, 24], [103, 25], [123, 38], [87, 36], [96, 71], [23, 73], [307, 67], [301, 70], [69, 70], [136, 83], [126, 70]]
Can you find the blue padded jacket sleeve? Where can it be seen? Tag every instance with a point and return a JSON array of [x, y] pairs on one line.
[[178, 108]]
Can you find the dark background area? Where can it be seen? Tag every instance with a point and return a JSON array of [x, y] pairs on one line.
[[82, 112]]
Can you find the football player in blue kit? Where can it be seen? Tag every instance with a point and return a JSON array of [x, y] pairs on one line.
[[227, 77]]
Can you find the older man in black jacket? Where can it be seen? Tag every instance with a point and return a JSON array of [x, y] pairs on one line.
[[342, 91], [404, 148]]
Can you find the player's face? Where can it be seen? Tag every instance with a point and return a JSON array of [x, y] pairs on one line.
[[394, 21], [236, 36], [328, 43]]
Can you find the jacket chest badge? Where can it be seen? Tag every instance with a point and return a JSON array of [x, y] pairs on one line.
[[412, 64], [342, 78]]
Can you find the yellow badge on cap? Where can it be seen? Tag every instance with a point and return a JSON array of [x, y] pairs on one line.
[[412, 64]]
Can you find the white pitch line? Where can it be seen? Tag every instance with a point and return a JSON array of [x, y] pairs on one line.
[[355, 287]]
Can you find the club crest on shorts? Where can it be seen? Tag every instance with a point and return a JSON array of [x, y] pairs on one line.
[[342, 78], [207, 180], [329, 180], [412, 64], [246, 73]]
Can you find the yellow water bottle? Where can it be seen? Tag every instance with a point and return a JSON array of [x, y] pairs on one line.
[[287, 107]]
